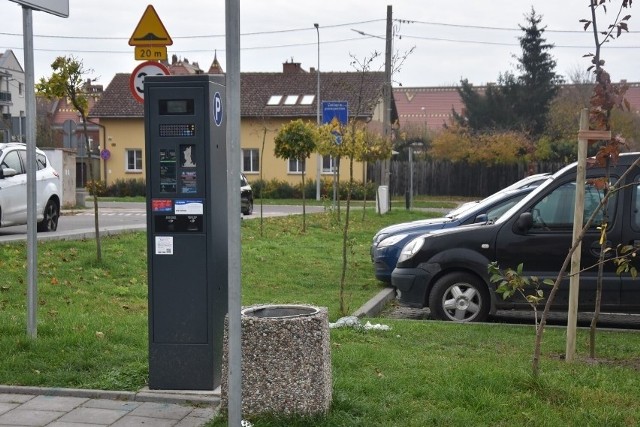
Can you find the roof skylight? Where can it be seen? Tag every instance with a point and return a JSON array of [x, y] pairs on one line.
[[307, 99], [274, 100], [291, 100]]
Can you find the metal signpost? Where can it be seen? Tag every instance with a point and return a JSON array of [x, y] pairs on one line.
[[59, 8], [335, 110]]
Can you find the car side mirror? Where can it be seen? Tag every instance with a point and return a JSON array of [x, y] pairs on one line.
[[524, 222], [481, 218], [7, 172]]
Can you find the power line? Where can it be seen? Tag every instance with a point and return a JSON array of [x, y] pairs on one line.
[[366, 36], [198, 50], [201, 36], [483, 27], [293, 30], [505, 44]]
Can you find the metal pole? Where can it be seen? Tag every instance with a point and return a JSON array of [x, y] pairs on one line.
[[20, 130], [319, 158], [32, 242], [232, 11], [387, 97], [410, 177]]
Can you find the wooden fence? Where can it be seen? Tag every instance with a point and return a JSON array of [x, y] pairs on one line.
[[444, 178]]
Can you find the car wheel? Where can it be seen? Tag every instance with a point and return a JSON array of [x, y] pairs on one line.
[[459, 297], [249, 209], [51, 215]]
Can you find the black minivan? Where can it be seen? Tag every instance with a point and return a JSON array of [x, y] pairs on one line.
[[447, 270]]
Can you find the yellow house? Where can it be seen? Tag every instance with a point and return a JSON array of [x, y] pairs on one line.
[[268, 100]]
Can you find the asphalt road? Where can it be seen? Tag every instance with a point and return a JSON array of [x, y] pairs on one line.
[[114, 217]]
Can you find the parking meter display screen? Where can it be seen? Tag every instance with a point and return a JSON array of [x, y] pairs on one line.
[[176, 107]]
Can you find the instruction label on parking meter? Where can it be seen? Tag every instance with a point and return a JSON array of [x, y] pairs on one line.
[[189, 207], [164, 245]]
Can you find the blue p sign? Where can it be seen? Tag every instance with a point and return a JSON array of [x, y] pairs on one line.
[[217, 109]]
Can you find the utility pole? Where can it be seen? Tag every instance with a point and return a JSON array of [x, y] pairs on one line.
[[386, 116]]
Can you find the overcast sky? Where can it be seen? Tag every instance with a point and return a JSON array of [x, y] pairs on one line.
[[469, 39]]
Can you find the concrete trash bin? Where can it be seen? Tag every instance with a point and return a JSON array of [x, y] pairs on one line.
[[286, 360]]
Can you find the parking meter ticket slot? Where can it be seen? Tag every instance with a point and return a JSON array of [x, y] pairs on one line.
[[189, 207], [164, 245]]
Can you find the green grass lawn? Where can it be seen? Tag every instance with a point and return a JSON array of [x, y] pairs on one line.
[[92, 333]]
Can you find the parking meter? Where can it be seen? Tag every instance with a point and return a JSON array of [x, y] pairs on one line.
[[185, 155]]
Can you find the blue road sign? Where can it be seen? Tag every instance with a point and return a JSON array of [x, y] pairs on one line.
[[217, 109], [337, 109]]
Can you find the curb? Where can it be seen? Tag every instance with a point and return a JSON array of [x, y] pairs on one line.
[[375, 305], [143, 395]]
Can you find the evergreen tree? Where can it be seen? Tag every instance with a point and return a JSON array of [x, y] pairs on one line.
[[537, 84], [518, 103]]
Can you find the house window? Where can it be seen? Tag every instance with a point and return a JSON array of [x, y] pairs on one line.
[[296, 166], [134, 160], [328, 164], [20, 89], [250, 160]]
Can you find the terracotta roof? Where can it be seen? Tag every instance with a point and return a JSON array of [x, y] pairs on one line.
[[117, 100], [257, 88], [633, 96], [432, 106]]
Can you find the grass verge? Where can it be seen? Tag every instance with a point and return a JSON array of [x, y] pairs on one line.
[[426, 373], [92, 317], [92, 333]]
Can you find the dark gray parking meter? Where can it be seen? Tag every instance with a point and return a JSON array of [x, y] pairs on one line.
[[185, 154]]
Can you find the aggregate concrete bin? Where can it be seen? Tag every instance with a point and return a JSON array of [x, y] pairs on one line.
[[286, 360]]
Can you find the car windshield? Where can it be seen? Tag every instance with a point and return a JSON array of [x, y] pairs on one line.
[[527, 182], [548, 181], [484, 204]]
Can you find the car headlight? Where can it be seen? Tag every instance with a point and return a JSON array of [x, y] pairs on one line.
[[390, 241], [378, 238], [411, 248]]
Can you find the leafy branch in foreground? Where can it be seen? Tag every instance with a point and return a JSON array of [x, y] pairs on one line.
[[511, 282]]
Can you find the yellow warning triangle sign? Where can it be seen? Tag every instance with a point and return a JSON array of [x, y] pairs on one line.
[[150, 31]]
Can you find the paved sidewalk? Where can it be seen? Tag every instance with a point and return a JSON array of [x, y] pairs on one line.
[[36, 406]]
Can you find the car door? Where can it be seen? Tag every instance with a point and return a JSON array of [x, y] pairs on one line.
[[543, 248], [14, 190], [630, 286]]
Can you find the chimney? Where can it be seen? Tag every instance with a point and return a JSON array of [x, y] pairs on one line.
[[292, 67]]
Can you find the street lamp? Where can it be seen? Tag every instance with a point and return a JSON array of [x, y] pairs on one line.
[[319, 157]]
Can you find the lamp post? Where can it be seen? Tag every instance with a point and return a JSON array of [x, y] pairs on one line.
[[319, 157]]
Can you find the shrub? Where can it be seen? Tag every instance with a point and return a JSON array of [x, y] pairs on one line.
[[277, 189], [126, 188], [98, 188]]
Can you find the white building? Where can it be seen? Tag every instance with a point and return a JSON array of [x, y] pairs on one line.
[[12, 99]]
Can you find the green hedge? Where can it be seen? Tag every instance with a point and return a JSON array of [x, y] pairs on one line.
[[278, 189], [120, 188], [273, 189]]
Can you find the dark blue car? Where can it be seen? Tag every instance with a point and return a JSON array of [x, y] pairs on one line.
[[389, 241]]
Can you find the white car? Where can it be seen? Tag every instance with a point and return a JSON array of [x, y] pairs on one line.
[[13, 188]]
